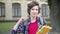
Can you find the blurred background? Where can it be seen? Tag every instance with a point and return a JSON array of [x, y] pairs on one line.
[[12, 10]]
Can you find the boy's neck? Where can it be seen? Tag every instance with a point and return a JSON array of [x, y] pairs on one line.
[[32, 18]]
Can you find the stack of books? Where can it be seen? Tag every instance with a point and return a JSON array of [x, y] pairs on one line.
[[44, 30]]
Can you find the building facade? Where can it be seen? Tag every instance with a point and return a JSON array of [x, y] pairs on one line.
[[14, 9]]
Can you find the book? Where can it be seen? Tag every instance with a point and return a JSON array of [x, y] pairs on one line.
[[44, 30]]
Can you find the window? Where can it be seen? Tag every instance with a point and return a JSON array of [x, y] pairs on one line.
[[16, 10], [30, 0], [2, 9], [45, 10]]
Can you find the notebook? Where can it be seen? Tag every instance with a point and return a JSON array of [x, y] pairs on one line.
[[44, 30]]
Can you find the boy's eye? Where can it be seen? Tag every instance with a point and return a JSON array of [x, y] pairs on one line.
[[32, 9], [36, 9]]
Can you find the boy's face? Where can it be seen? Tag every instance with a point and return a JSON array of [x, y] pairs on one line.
[[34, 11]]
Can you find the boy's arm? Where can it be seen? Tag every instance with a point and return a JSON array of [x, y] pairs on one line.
[[21, 20], [17, 24]]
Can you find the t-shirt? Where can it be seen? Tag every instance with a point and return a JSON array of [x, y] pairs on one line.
[[32, 28]]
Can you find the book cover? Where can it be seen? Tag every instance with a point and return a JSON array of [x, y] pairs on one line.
[[44, 30]]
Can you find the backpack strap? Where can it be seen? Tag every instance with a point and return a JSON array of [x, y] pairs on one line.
[[41, 21]]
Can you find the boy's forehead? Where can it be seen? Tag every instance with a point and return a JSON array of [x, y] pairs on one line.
[[35, 7]]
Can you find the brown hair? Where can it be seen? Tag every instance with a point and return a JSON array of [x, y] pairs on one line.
[[32, 4]]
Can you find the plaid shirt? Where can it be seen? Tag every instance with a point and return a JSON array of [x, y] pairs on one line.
[[23, 27]]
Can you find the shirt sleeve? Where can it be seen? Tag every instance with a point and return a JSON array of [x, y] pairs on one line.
[[21, 27], [44, 21]]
